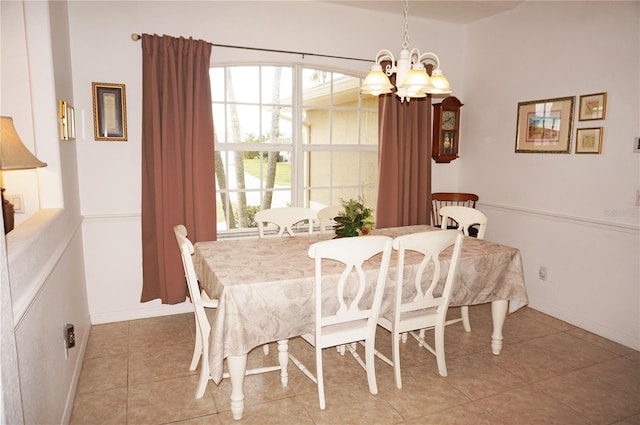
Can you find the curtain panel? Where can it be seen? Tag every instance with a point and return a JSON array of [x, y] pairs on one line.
[[404, 191], [178, 185]]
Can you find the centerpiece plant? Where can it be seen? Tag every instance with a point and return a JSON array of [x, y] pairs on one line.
[[354, 220]]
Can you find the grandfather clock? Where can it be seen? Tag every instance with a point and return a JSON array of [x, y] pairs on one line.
[[446, 130]]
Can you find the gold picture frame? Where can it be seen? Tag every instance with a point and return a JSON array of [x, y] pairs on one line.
[[589, 140], [66, 121], [545, 126], [593, 107], [109, 112]]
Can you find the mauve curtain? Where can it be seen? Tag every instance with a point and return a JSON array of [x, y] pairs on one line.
[[404, 189], [178, 184]]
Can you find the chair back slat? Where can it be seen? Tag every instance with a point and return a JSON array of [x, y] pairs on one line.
[[464, 218], [285, 218], [443, 199]]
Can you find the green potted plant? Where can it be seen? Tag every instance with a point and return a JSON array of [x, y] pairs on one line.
[[355, 219]]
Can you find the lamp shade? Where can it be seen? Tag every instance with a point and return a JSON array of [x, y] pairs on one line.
[[14, 155], [376, 82]]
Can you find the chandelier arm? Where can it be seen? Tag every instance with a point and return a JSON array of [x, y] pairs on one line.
[[431, 56]]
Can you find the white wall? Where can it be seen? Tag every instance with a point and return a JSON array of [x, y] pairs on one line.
[[533, 200], [574, 214], [110, 171], [44, 252]]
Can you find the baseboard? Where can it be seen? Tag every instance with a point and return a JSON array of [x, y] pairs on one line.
[[142, 313]]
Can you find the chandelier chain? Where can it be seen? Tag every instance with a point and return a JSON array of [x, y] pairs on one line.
[[405, 43]]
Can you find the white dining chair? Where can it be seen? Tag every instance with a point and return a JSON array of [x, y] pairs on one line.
[[285, 218], [343, 315], [201, 309], [326, 216], [464, 217], [415, 306]]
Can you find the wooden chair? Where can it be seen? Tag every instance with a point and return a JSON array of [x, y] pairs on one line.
[[285, 218], [464, 218], [201, 307], [443, 199], [355, 318], [326, 215], [424, 309]]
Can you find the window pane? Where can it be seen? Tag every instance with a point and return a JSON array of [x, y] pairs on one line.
[[277, 85], [346, 168], [319, 168], [243, 84], [369, 127], [316, 126]]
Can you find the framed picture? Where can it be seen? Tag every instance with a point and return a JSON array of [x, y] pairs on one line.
[[109, 112], [67, 121], [593, 107], [589, 140], [544, 126]]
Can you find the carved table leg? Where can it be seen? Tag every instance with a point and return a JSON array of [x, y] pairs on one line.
[[498, 314], [237, 367]]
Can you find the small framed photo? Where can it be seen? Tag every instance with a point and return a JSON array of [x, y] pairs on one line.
[[109, 112], [67, 121], [593, 107], [589, 140], [544, 126]]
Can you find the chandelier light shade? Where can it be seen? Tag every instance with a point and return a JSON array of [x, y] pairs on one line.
[[412, 80], [14, 155]]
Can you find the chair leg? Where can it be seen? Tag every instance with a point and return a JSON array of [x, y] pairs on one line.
[[439, 348], [197, 349], [205, 371], [320, 377], [464, 311], [283, 360], [265, 349], [369, 356], [395, 352]]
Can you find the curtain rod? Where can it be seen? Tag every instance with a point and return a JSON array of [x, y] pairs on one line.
[[137, 37]]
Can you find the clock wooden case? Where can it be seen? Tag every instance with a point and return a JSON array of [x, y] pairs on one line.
[[446, 130]]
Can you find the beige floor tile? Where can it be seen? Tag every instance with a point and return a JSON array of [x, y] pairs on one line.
[[160, 362], [601, 342], [159, 331], [108, 340], [599, 401], [167, 401], [423, 392], [572, 350], [103, 373], [278, 412], [620, 372], [465, 414], [100, 407], [349, 403], [549, 372], [531, 362], [476, 376], [528, 406]]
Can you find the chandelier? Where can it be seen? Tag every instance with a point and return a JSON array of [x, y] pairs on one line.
[[412, 80]]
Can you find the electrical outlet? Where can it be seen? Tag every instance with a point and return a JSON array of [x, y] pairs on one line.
[[636, 144], [70, 336], [543, 273]]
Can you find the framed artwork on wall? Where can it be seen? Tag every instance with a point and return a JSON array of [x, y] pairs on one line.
[[109, 112], [545, 126], [589, 140], [593, 107]]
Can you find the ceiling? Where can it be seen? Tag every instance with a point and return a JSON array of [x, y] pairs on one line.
[[454, 11]]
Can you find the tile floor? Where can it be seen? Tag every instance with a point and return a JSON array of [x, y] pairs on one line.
[[549, 372]]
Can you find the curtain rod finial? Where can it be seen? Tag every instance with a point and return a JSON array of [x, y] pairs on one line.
[[135, 37]]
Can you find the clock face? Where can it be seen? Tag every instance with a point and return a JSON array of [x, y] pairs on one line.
[[448, 120]]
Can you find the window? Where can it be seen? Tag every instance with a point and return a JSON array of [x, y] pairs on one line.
[[290, 136]]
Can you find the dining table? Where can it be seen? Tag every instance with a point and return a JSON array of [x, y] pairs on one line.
[[265, 292]]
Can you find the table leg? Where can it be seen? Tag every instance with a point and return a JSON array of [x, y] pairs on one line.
[[498, 314], [283, 359], [237, 366]]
